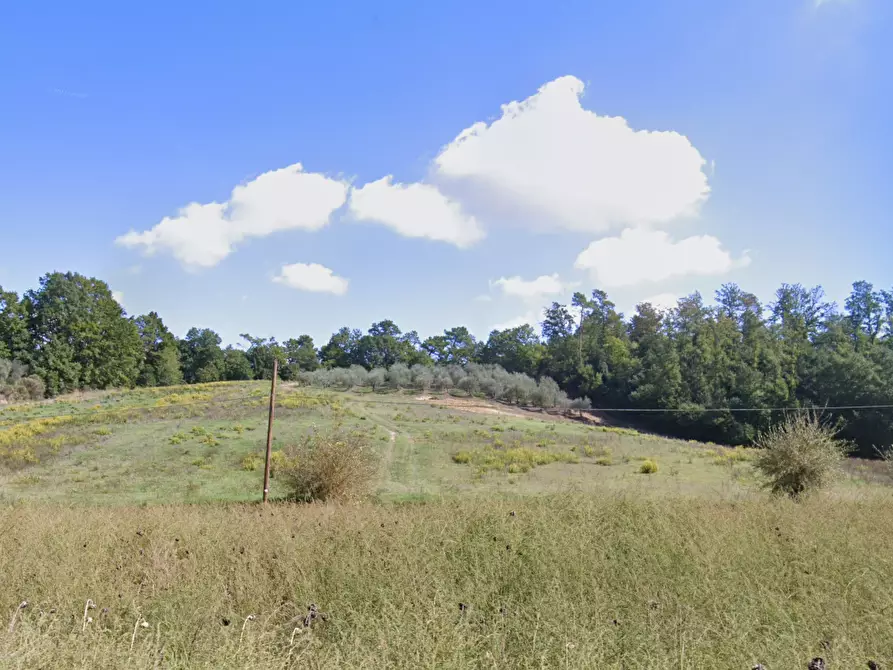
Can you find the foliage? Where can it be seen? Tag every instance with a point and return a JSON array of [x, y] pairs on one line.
[[328, 464], [236, 366], [720, 369], [262, 352], [15, 386], [648, 467], [201, 356], [800, 455], [161, 357], [85, 339], [490, 380]]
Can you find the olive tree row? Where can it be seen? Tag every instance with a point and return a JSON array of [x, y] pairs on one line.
[[490, 381]]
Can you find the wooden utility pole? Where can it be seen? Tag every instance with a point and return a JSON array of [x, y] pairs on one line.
[[270, 430]]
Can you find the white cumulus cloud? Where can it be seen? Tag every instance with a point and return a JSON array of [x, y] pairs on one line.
[[311, 277], [118, 297], [202, 235], [640, 255], [532, 289], [414, 210], [549, 162]]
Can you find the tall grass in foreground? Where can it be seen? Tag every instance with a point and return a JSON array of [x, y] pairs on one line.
[[558, 582]]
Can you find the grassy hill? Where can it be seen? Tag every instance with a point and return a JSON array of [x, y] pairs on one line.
[[495, 537], [200, 443]]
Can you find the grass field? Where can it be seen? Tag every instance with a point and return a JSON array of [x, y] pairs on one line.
[[560, 551]]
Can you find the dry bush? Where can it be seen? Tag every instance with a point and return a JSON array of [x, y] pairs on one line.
[[800, 454], [331, 464]]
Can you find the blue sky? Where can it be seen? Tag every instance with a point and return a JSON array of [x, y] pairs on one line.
[[769, 157]]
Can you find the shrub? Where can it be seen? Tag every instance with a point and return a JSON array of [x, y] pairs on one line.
[[15, 386], [648, 467], [332, 464], [604, 460], [800, 454], [252, 462], [462, 457]]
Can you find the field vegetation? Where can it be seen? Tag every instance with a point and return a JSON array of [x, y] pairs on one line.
[[450, 502], [490, 535]]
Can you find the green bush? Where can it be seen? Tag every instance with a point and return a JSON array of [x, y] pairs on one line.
[[333, 464], [252, 462], [800, 455], [648, 467], [462, 457]]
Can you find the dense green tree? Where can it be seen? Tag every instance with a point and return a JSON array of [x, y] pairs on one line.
[[342, 349], [80, 335], [161, 356], [201, 356], [15, 341], [236, 366], [516, 349], [262, 352], [300, 355]]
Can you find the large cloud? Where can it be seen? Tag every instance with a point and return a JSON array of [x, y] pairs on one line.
[[549, 162], [414, 210], [640, 255], [202, 235], [311, 277]]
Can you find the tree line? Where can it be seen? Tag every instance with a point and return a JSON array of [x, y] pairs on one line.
[[700, 363]]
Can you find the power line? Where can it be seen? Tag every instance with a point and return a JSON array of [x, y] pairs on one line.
[[698, 410], [704, 410]]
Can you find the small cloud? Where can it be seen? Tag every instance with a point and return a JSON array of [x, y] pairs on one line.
[[119, 297], [639, 255], [484, 298], [533, 289], [311, 277], [67, 94], [819, 3], [135, 269]]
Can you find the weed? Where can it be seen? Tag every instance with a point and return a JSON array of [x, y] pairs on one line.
[[252, 462], [648, 467]]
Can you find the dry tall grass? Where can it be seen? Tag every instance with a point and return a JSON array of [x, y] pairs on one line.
[[553, 582]]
